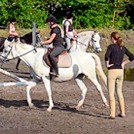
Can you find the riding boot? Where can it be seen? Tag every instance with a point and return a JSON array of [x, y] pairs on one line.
[[112, 109], [54, 68], [122, 108]]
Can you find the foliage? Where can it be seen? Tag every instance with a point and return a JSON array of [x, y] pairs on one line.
[[25, 11], [87, 13]]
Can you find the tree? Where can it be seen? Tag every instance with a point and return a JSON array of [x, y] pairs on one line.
[[87, 13]]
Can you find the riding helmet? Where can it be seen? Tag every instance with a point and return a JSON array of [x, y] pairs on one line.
[[69, 15], [51, 19], [12, 20]]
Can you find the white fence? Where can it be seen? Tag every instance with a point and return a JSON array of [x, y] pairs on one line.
[[21, 83]]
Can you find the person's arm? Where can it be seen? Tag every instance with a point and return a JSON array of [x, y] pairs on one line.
[[125, 62], [75, 33], [12, 32], [107, 64], [107, 55], [130, 55], [50, 40], [67, 31]]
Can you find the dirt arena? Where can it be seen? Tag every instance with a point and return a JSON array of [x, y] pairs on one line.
[[17, 118]]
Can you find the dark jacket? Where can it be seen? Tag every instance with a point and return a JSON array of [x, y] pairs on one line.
[[115, 55]]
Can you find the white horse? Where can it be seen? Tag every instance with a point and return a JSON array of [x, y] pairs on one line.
[[77, 65], [85, 40]]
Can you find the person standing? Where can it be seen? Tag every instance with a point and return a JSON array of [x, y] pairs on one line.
[[115, 65], [12, 30], [69, 32], [57, 40]]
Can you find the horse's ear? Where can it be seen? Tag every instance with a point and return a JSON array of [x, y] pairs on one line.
[[38, 32], [96, 32]]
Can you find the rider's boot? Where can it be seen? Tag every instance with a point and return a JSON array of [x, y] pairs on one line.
[[54, 70]]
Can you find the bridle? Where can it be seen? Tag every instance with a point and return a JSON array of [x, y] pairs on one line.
[[90, 42], [10, 51]]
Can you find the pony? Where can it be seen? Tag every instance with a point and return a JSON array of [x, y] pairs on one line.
[[2, 40], [77, 65], [85, 40], [27, 38]]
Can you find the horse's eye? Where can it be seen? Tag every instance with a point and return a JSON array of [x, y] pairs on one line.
[[9, 46], [5, 51], [94, 40]]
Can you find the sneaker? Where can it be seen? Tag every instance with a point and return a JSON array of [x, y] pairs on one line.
[[119, 115], [110, 117]]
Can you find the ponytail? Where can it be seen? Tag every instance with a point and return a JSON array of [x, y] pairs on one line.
[[117, 37]]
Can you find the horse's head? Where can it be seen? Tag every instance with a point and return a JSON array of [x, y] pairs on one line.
[[6, 54], [27, 38], [87, 39], [95, 42], [2, 40]]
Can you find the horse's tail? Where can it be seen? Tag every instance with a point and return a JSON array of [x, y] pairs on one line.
[[99, 68]]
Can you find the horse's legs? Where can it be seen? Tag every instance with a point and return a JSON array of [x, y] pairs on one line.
[[83, 88], [98, 86], [29, 100], [47, 84], [17, 65]]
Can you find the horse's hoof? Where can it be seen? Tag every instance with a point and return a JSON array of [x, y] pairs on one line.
[[77, 108], [17, 68], [31, 105], [106, 105], [49, 109]]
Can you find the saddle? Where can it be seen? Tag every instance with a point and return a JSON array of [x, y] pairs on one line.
[[64, 60]]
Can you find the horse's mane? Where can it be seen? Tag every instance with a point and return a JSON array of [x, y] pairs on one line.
[[84, 33], [27, 38], [23, 45], [2, 40]]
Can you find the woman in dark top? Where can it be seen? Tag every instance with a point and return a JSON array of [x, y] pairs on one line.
[[115, 65], [57, 40]]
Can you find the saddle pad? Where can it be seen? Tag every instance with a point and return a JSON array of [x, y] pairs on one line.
[[64, 60]]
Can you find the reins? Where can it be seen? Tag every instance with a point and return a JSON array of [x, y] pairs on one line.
[[81, 43], [34, 49]]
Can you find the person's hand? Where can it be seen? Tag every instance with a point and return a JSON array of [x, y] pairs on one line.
[[109, 65], [41, 43], [123, 65], [74, 38]]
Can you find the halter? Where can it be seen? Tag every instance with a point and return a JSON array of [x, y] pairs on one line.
[[92, 41], [10, 51], [91, 44]]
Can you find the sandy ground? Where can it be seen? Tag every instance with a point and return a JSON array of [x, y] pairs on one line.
[[92, 118]]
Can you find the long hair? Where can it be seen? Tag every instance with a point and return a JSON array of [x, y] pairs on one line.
[[116, 36]]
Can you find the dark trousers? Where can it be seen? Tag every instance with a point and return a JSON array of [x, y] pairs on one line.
[[11, 38], [56, 51]]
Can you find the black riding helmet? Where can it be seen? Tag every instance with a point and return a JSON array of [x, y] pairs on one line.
[[12, 20], [69, 15], [51, 19]]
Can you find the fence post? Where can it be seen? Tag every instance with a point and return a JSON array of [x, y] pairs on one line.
[[34, 34]]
